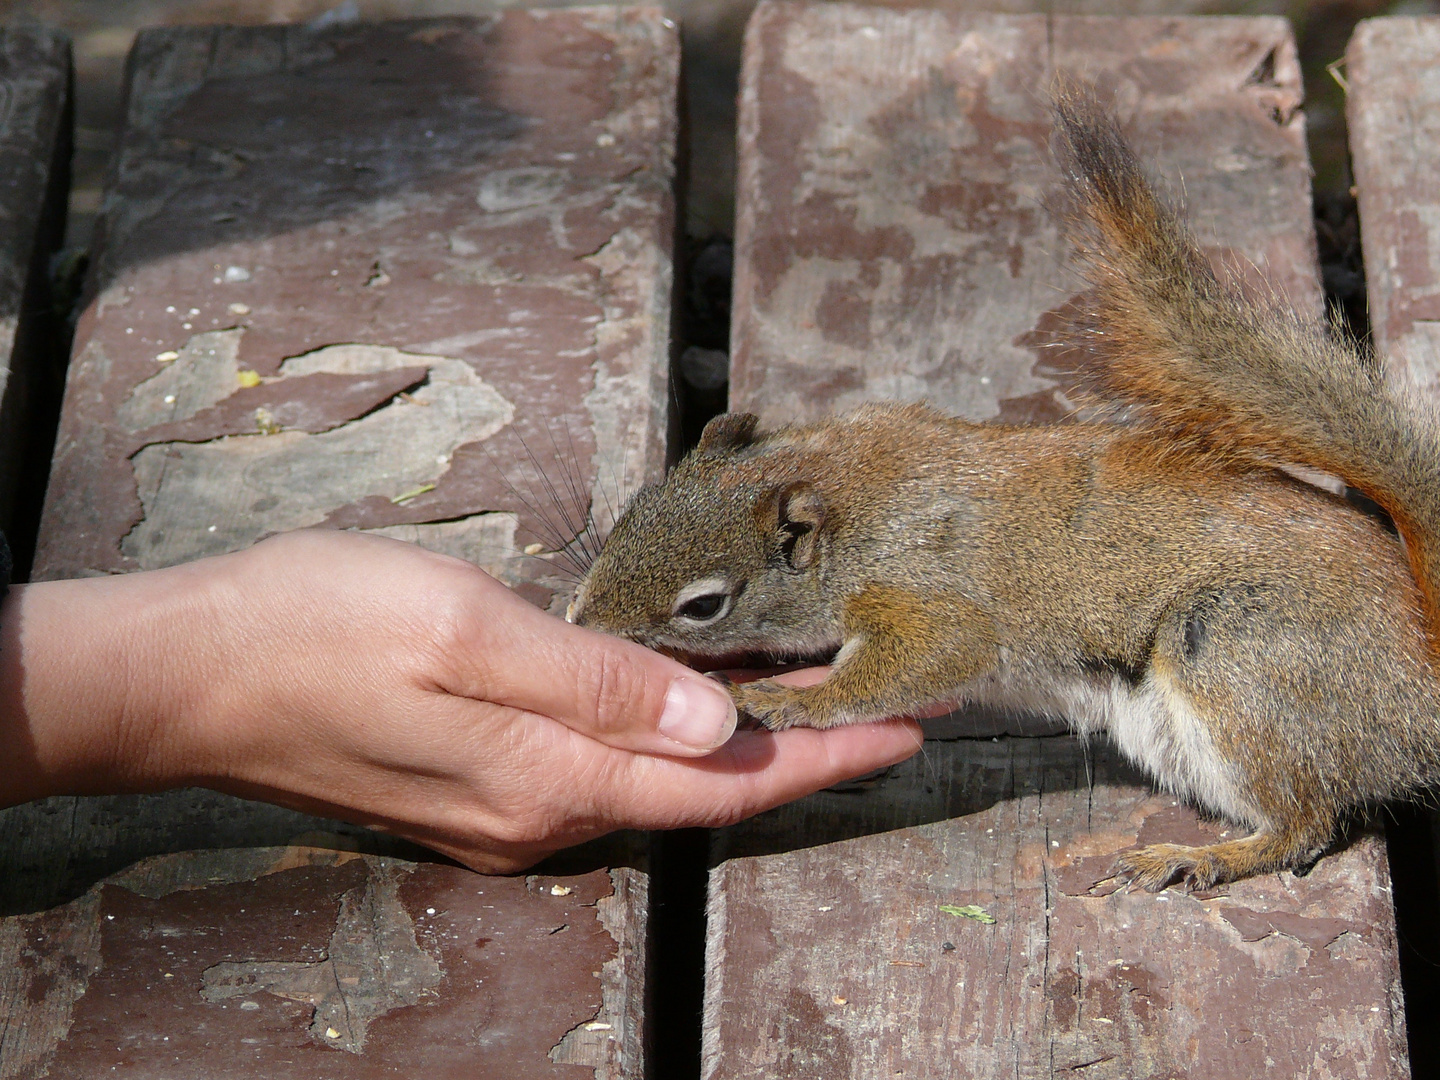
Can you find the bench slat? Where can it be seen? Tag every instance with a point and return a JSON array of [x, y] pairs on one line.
[[302, 962], [1394, 118], [370, 277]]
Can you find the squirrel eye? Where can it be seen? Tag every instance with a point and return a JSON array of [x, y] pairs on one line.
[[704, 600], [704, 607]]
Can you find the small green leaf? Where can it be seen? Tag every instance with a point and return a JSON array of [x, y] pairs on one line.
[[969, 911]]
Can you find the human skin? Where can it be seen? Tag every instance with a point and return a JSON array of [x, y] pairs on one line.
[[366, 679]]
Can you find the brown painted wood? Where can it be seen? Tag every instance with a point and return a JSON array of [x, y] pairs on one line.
[[892, 234], [378, 277], [1393, 68], [35, 113], [1392, 72], [893, 241], [840, 960], [303, 962], [486, 199]]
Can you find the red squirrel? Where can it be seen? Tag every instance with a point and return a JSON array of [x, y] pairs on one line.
[[1262, 647]]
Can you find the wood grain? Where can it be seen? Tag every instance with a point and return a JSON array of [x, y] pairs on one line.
[[487, 199], [896, 239], [895, 235], [303, 962], [1393, 66], [841, 960]]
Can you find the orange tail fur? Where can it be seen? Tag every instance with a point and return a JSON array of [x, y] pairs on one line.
[[1246, 378]]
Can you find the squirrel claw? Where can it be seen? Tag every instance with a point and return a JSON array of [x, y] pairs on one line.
[[1198, 868]]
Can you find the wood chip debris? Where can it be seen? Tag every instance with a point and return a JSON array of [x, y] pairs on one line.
[[413, 493], [969, 911]]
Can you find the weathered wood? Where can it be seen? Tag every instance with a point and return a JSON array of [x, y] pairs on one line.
[[53, 850], [1393, 67], [487, 200], [893, 241], [892, 233], [1393, 74], [34, 169], [840, 960], [302, 962], [368, 277]]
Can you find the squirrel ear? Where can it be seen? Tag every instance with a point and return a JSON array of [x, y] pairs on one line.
[[728, 431], [801, 513]]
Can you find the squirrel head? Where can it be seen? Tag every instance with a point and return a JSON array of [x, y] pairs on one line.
[[729, 550]]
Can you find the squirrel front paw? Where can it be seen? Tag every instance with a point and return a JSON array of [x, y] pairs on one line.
[[777, 707]]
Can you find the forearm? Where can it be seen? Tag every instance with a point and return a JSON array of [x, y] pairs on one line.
[[88, 686]]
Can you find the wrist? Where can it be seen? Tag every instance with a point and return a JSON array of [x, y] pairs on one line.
[[91, 691]]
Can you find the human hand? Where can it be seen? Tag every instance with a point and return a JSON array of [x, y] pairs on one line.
[[366, 679]]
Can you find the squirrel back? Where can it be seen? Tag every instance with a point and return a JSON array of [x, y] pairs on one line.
[[1236, 377]]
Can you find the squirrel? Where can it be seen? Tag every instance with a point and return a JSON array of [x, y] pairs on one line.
[[1264, 648]]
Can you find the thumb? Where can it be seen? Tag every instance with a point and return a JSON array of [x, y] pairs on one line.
[[614, 691]]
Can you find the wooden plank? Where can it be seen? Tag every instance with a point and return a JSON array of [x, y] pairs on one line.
[[304, 962], [1393, 74], [499, 216], [34, 168], [1394, 116], [892, 241], [338, 266], [840, 960]]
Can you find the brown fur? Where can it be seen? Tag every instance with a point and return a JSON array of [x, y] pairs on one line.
[[1261, 646]]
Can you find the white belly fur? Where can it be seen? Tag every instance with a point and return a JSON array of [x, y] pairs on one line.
[[1154, 724]]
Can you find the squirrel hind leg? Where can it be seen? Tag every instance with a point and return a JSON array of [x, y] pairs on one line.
[[1157, 866]]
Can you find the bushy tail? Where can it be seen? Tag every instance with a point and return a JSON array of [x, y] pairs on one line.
[[1247, 378]]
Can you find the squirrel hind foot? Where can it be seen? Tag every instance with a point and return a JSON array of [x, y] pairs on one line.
[[1157, 866]]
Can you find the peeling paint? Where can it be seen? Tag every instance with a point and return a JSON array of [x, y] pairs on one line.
[[487, 540], [629, 399], [372, 966], [212, 497]]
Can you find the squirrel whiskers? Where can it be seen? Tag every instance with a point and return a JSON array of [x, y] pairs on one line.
[[560, 505], [1260, 646]]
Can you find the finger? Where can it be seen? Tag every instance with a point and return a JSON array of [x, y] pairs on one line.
[[759, 770], [611, 690]]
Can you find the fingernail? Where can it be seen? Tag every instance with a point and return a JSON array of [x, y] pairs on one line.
[[698, 714]]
